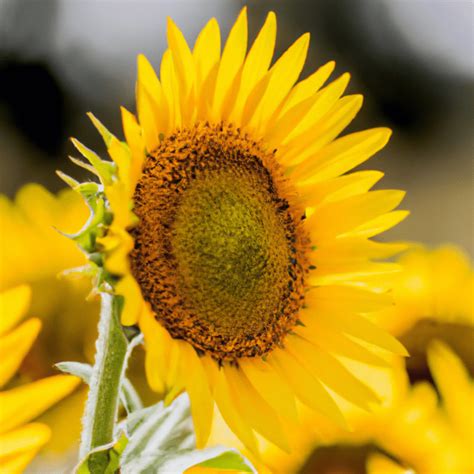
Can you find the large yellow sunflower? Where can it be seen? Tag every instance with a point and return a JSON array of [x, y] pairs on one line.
[[20, 440], [239, 244]]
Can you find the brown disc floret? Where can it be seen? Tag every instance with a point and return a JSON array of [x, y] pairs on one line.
[[220, 252]]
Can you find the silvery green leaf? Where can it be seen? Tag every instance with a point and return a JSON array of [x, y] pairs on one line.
[[162, 440], [128, 395], [177, 462], [83, 371], [157, 429]]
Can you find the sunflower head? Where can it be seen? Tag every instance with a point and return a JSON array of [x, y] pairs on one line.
[[241, 246]]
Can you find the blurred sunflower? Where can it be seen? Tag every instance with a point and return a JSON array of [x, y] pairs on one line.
[[20, 440], [434, 299], [424, 437], [239, 244], [33, 253]]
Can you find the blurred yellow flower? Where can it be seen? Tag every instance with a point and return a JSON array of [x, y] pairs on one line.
[[434, 297], [20, 440], [436, 284], [33, 252]]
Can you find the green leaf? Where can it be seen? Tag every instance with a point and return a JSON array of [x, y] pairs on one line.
[[229, 460], [161, 439], [83, 371]]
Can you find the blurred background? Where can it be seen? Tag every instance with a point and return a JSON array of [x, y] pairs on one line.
[[412, 60]]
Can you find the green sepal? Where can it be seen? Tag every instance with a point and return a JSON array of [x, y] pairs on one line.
[[105, 170], [68, 179], [104, 132], [103, 460]]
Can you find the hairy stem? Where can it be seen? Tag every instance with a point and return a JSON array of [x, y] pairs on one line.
[[110, 361]]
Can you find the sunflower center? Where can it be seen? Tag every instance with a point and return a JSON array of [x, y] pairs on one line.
[[219, 251]]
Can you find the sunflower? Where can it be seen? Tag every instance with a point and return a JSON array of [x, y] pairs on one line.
[[434, 284], [424, 436], [20, 440], [433, 295], [32, 253], [241, 247]]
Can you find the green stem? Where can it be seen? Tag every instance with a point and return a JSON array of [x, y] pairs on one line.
[[103, 399]]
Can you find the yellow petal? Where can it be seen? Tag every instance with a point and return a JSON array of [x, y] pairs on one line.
[[207, 50], [305, 114], [133, 300], [336, 189], [331, 372], [146, 115], [158, 347], [343, 298], [16, 463], [256, 64], [147, 79], [380, 224], [308, 389], [27, 438], [266, 380], [380, 464], [363, 329], [21, 404], [342, 155], [338, 343], [175, 380], [307, 87], [170, 87], [354, 250], [182, 58], [323, 132], [133, 135], [202, 402], [336, 218], [282, 76], [342, 272], [227, 408], [449, 372], [14, 346], [212, 371], [13, 306], [254, 409], [231, 62]]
